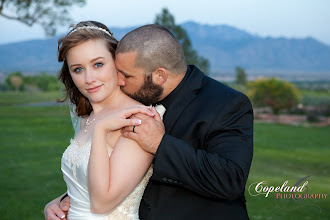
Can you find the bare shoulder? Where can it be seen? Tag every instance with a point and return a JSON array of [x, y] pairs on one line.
[[112, 138], [116, 140], [132, 148], [129, 102]]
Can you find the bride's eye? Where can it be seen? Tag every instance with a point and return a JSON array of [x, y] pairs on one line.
[[97, 65], [77, 70]]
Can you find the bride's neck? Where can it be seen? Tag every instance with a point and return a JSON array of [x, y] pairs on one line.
[[111, 102]]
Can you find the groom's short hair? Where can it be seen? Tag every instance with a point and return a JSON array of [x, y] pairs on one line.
[[156, 47]]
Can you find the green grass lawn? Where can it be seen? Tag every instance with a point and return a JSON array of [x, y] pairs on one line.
[[34, 138], [32, 142], [283, 152]]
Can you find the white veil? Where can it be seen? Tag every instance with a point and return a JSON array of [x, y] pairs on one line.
[[74, 118]]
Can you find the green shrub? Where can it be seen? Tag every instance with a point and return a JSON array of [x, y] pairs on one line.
[[14, 84], [275, 93]]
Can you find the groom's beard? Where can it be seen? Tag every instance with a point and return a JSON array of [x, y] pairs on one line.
[[149, 93]]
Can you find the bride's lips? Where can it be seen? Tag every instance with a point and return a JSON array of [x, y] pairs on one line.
[[94, 89]]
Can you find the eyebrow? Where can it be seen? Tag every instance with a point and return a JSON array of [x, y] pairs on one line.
[[97, 59], [124, 73], [93, 60]]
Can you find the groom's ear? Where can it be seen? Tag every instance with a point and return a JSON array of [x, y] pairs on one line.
[[159, 76]]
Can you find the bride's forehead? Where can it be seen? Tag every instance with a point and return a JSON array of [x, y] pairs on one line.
[[92, 46], [88, 50]]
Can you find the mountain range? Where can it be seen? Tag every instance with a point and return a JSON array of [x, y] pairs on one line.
[[224, 46]]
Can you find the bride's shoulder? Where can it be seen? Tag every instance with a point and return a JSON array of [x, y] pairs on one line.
[[131, 103]]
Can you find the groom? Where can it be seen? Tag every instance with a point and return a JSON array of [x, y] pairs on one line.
[[202, 159]]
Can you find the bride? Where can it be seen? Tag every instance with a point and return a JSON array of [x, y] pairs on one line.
[[104, 172]]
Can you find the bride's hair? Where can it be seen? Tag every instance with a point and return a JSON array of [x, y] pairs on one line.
[[82, 32]]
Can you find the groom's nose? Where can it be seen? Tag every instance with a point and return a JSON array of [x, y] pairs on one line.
[[121, 80]]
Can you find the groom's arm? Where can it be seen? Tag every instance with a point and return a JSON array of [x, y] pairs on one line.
[[219, 167]]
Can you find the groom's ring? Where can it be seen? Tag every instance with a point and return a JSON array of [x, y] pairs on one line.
[[133, 129]]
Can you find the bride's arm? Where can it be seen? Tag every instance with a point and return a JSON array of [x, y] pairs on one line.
[[111, 180]]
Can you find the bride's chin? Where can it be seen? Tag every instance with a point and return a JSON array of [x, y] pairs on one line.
[[97, 100]]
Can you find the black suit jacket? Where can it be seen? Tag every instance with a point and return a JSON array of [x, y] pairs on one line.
[[203, 160]]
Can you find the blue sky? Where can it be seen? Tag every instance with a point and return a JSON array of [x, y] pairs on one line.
[[275, 18]]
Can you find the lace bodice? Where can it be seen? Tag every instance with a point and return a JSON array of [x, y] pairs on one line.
[[74, 167]]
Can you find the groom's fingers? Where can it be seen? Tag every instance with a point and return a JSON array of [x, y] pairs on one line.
[[157, 115], [130, 134], [128, 129], [65, 204], [55, 213], [139, 109]]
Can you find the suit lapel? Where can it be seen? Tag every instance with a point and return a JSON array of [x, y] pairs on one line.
[[185, 95]]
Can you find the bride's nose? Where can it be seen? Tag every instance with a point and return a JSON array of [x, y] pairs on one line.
[[90, 76]]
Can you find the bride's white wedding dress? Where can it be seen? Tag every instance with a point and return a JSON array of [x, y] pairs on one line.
[[74, 167]]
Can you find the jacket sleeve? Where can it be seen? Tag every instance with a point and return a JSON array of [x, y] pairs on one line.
[[217, 169]]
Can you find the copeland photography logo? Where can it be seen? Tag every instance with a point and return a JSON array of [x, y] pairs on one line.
[[289, 195]]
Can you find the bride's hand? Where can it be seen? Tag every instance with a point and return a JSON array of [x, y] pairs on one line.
[[121, 118]]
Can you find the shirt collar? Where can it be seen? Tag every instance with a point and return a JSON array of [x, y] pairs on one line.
[[166, 102]]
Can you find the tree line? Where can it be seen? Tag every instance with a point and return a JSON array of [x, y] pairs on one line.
[[42, 82], [275, 93]]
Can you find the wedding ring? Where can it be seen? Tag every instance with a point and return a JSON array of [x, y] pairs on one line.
[[133, 129]]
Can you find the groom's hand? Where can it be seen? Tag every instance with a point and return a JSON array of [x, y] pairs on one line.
[[54, 212], [56, 209], [148, 134], [65, 205]]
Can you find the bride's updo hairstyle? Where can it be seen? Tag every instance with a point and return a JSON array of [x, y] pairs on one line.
[[82, 32]]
